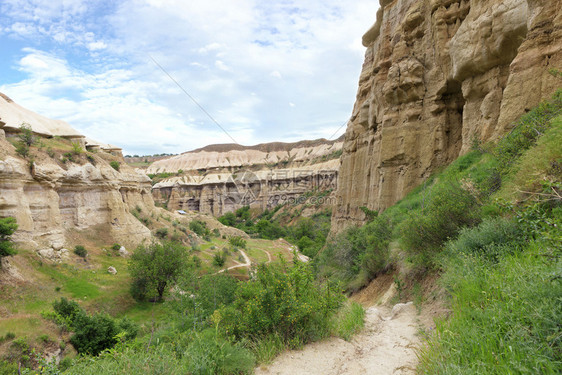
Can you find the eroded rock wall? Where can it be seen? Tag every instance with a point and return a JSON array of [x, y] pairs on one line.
[[222, 178], [439, 74], [48, 201]]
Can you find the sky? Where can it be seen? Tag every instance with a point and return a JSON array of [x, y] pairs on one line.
[[168, 76]]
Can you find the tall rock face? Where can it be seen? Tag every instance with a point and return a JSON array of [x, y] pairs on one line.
[[56, 192], [222, 178], [438, 75]]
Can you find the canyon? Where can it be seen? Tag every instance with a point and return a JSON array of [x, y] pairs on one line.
[[438, 77]]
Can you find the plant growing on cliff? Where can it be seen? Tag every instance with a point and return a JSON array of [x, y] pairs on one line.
[[115, 165], [8, 226], [26, 134], [154, 267]]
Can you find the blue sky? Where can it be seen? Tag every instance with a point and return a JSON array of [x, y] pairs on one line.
[[264, 70]]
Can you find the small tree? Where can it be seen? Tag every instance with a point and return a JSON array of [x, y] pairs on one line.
[[8, 226], [26, 134], [155, 267]]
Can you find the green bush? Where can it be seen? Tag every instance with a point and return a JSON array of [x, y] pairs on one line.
[[450, 208], [77, 148], [80, 251], [161, 233], [198, 227], [493, 238], [92, 334], [238, 242], [115, 165], [357, 255], [8, 226], [282, 300], [116, 246], [219, 258], [211, 354]]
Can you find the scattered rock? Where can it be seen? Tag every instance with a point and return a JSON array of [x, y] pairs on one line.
[[123, 252], [112, 270], [2, 134], [53, 255], [10, 270]]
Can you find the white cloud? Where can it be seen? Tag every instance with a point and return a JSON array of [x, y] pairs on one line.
[[239, 60]]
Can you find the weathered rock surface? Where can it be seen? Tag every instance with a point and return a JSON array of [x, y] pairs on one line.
[[223, 178], [437, 75], [49, 199]]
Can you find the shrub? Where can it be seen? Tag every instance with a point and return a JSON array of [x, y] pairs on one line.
[[282, 300], [8, 226], [161, 233], [238, 242], [116, 246], [77, 148], [22, 149], [80, 251], [198, 227], [211, 354], [115, 165], [493, 238], [449, 209], [219, 259]]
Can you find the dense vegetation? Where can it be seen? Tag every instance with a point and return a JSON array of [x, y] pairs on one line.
[[308, 233]]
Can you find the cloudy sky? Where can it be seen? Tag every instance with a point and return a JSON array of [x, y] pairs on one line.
[[264, 70]]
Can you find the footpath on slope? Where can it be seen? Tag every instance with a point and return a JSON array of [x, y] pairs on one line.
[[386, 345]]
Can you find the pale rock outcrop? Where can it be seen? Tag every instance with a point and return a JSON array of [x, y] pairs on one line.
[[111, 270], [222, 178], [49, 199], [439, 74]]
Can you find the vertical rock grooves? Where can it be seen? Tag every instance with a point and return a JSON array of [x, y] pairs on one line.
[[437, 75]]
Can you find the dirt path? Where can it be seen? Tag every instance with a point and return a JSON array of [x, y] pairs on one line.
[[385, 346], [247, 263]]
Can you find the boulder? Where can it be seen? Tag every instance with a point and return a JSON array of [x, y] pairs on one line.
[[112, 270], [123, 252]]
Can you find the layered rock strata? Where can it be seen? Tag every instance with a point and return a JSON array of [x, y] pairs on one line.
[[49, 199], [439, 75], [222, 178]]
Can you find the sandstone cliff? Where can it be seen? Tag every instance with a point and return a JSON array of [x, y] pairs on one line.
[[52, 195], [221, 178], [439, 74]]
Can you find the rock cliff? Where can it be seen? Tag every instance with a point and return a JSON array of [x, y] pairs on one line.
[[222, 178], [54, 191], [438, 75]]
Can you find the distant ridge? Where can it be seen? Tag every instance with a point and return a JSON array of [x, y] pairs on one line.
[[265, 147]]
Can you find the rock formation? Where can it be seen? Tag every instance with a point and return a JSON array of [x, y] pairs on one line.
[[222, 178], [50, 198], [438, 75]]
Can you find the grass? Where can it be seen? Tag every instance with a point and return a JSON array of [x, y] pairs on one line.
[[506, 317], [349, 321]]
